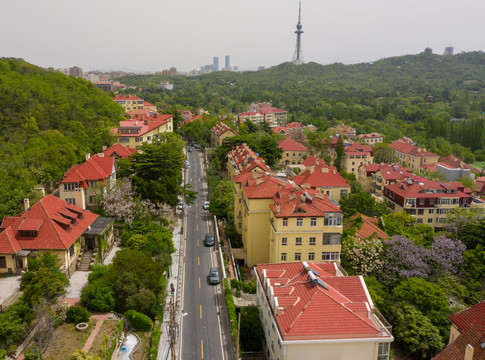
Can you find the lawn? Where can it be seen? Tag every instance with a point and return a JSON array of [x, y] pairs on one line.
[[66, 339], [479, 164], [144, 346], [103, 338]]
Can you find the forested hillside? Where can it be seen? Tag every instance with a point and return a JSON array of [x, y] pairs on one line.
[[413, 95], [48, 121]]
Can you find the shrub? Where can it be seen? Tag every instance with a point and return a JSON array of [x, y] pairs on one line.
[[98, 296], [32, 353], [138, 320], [154, 340], [77, 314]]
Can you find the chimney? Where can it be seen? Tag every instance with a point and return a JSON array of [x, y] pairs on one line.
[[105, 147], [40, 190], [26, 204], [469, 352], [101, 154], [88, 156], [312, 169], [145, 122], [79, 198]]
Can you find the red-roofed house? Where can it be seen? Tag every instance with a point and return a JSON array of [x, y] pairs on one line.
[[428, 201], [412, 156], [323, 178], [139, 129], [305, 225], [147, 105], [366, 227], [356, 155], [379, 175], [129, 102], [293, 152], [343, 130], [285, 129], [80, 185], [220, 132], [118, 151], [242, 159], [189, 120], [467, 335], [371, 139], [52, 224], [308, 310]]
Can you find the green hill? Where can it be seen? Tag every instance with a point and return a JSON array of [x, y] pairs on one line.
[[48, 121]]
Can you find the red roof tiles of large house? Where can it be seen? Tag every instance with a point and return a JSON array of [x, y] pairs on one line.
[[144, 124], [296, 202], [369, 228], [358, 149], [307, 312], [193, 118], [126, 97], [262, 186], [8, 242], [245, 159], [96, 169], [60, 224], [394, 172], [222, 128], [410, 149], [120, 150], [423, 188], [321, 175], [291, 145]]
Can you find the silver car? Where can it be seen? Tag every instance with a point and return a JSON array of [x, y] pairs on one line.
[[214, 276]]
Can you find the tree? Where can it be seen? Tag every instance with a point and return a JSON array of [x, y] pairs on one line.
[[383, 153], [98, 296], [251, 331], [222, 199], [362, 202], [144, 302], [416, 332], [363, 256], [340, 151]]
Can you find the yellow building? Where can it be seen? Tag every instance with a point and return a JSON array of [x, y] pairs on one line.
[[429, 201], [308, 310], [52, 225], [323, 178], [371, 139], [220, 132], [355, 156], [412, 156], [133, 132], [373, 177], [129, 102], [293, 152], [305, 225]]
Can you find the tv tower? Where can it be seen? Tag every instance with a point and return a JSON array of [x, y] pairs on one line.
[[298, 57]]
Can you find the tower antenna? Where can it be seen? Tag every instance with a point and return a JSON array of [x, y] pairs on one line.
[[298, 56]]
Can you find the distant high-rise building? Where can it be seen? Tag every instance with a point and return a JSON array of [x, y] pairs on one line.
[[215, 63], [298, 57], [449, 50], [228, 63], [76, 71]]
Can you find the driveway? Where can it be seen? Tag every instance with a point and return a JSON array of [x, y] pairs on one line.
[[10, 286]]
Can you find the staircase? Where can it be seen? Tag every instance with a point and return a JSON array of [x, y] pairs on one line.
[[85, 261]]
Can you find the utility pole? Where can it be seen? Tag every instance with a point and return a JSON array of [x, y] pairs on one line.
[[172, 327]]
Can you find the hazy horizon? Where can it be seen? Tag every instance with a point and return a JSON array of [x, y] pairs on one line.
[[149, 36]]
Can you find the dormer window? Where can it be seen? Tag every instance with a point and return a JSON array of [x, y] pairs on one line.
[[69, 186], [28, 233]]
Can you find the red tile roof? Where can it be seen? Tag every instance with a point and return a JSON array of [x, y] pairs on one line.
[[222, 128], [306, 312], [295, 202], [119, 150], [193, 118], [146, 103], [243, 158], [97, 168], [358, 149], [423, 188], [8, 242], [144, 124], [60, 225], [291, 145], [321, 175], [146, 112], [310, 161], [410, 149], [369, 136], [394, 172], [471, 323], [262, 186], [457, 163], [126, 97], [369, 228]]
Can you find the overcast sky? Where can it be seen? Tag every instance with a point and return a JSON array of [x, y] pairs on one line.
[[148, 35]]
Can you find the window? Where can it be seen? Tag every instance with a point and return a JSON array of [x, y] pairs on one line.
[[420, 211], [332, 239], [313, 221], [92, 183], [311, 256], [430, 221], [149, 138], [331, 256], [297, 256], [69, 186], [343, 192], [283, 256], [3, 262], [298, 241], [92, 199], [431, 211], [431, 201], [383, 351], [138, 139], [421, 201], [285, 221], [313, 240], [284, 241], [71, 201], [71, 250], [299, 221], [419, 221], [410, 202], [124, 140], [333, 220]]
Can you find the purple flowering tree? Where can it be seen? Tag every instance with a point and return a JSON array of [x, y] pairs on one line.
[[446, 256]]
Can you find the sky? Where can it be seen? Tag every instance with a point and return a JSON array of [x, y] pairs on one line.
[[148, 35]]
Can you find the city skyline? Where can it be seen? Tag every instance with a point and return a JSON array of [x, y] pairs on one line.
[[188, 34]]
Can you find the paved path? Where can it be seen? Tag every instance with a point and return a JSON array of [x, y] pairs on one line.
[[101, 318]]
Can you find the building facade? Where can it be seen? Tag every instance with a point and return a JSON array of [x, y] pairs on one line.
[[293, 152]]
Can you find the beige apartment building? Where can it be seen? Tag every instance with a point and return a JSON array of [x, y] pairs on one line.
[[293, 152], [135, 131], [412, 156]]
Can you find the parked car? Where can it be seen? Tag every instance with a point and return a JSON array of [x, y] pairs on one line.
[[214, 276], [190, 149], [206, 205], [180, 206], [209, 239]]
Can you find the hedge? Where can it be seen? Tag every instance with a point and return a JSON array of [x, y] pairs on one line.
[[77, 314], [154, 340], [231, 310], [138, 320]]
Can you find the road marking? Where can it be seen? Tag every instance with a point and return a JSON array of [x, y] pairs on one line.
[[195, 204], [202, 348], [198, 260], [197, 227], [197, 242], [196, 215], [199, 283], [201, 311]]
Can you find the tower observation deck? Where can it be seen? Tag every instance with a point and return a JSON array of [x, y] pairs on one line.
[[298, 57]]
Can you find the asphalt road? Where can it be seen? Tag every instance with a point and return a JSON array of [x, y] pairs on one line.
[[201, 331]]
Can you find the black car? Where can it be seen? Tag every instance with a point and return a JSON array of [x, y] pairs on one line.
[[209, 239]]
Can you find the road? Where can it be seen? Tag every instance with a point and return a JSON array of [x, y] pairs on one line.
[[201, 331]]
